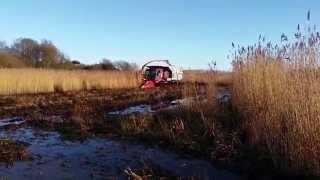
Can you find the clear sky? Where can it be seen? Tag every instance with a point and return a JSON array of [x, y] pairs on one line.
[[190, 33]]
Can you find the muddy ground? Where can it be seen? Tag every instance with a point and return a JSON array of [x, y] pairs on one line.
[[70, 135], [101, 158], [81, 135], [30, 107]]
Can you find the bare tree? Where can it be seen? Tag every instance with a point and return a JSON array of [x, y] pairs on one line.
[[27, 49], [49, 54], [107, 64], [125, 66], [3, 45]]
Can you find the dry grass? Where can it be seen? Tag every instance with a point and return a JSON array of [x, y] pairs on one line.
[[209, 76], [186, 126], [195, 117], [11, 151], [22, 81], [195, 125], [277, 91]]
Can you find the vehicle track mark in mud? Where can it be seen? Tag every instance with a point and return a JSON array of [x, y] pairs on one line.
[[63, 104]]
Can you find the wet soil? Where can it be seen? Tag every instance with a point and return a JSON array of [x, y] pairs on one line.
[[77, 135], [69, 136], [63, 104], [100, 158]]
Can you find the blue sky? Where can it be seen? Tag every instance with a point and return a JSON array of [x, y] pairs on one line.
[[190, 33]]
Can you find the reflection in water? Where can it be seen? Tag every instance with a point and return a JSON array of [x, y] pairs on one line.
[[11, 121], [96, 158]]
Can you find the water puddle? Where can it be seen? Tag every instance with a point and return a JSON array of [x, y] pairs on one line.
[[96, 158], [223, 95], [11, 121], [142, 108], [148, 108]]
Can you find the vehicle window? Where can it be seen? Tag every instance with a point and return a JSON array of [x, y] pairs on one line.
[[149, 74]]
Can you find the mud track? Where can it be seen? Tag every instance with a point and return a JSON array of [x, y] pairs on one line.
[[32, 106]]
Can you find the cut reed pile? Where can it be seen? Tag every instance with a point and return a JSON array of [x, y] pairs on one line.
[[276, 89], [22, 81]]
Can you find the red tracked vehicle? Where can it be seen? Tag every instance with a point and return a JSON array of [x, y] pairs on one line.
[[158, 72]]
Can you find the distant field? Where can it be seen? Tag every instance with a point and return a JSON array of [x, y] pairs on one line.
[[21, 81]]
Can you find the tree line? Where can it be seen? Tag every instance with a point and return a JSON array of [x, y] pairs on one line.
[[27, 52]]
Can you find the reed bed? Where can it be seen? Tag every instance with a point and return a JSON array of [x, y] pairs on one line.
[[208, 76], [276, 89], [24, 81]]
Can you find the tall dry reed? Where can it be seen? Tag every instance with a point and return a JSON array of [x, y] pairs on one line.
[[276, 89], [21, 81], [220, 78]]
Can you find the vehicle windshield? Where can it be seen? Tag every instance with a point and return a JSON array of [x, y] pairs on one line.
[[150, 74]]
